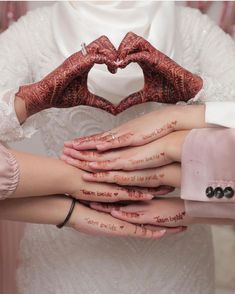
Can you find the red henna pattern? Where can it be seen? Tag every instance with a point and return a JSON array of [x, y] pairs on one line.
[[162, 220], [164, 130], [106, 226], [165, 80], [147, 159], [133, 193], [97, 194], [66, 86], [137, 179]]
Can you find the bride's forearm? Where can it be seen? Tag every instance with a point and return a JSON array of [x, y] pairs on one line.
[[41, 210], [40, 175]]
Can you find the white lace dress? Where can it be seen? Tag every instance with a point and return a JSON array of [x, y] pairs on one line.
[[67, 262]]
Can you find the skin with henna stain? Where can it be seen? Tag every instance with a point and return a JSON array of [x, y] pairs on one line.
[[165, 80], [66, 86]]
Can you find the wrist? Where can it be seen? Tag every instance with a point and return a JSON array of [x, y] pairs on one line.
[[72, 179], [34, 97], [73, 218], [188, 220], [189, 116], [20, 109]]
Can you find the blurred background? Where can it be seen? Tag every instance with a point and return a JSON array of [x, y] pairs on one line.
[[223, 13]]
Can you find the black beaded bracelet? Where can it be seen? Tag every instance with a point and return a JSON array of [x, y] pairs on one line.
[[59, 226]]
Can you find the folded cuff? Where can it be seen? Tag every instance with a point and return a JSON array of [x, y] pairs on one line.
[[9, 173], [210, 210]]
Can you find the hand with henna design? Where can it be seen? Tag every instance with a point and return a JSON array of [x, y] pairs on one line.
[[52, 209], [156, 164], [165, 213], [144, 129], [90, 221], [165, 80], [66, 86], [81, 189], [159, 212], [103, 192], [158, 153]]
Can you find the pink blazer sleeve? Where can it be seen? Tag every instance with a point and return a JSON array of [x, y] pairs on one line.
[[208, 173], [9, 173]]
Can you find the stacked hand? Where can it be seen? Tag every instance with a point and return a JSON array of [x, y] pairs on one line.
[[87, 220], [165, 81], [145, 153]]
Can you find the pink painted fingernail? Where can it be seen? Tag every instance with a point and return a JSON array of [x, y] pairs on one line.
[[63, 157], [116, 212], [162, 232], [71, 160], [67, 159], [66, 150], [116, 209], [101, 146], [147, 196], [87, 176], [68, 143], [93, 164]]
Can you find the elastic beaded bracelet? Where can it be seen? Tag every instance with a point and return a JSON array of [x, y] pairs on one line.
[[59, 226]]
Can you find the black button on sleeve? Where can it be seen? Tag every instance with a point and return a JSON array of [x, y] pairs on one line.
[[209, 192], [228, 192], [219, 192]]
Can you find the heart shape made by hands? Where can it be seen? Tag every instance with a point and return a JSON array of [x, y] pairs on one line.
[[116, 86], [164, 80]]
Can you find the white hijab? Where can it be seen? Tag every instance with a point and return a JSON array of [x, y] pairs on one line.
[[85, 21]]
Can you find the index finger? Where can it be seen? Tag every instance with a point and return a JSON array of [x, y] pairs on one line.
[[85, 142]]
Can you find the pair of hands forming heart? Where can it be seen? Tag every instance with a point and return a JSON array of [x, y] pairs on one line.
[[66, 86]]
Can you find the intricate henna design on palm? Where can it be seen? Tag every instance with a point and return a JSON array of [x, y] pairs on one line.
[[66, 86], [165, 80]]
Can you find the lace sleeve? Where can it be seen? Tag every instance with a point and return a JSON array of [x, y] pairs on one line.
[[215, 52], [14, 71], [9, 173]]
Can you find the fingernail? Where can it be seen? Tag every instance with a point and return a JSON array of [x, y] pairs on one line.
[[77, 144], [118, 62], [93, 164], [148, 196], [116, 212], [93, 204], [70, 160], [67, 159], [99, 146], [87, 176], [116, 209], [66, 150], [63, 157], [68, 143], [162, 232]]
